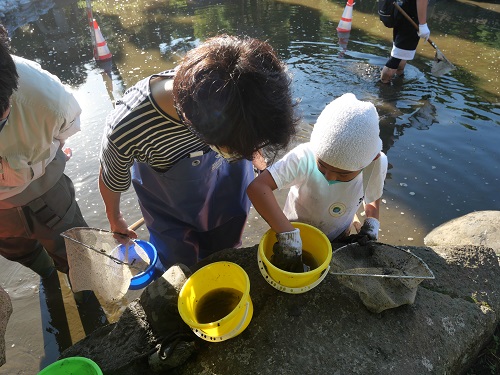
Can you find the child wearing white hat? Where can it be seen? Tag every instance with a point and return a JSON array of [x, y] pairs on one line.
[[329, 177]]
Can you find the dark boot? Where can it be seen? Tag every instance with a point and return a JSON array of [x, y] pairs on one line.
[[43, 264]]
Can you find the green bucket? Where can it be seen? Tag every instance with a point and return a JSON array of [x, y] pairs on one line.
[[72, 365]]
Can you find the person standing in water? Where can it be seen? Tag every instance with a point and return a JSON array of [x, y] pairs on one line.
[[405, 38], [37, 200]]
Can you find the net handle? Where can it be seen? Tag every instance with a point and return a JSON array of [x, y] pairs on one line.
[[137, 224], [100, 251], [383, 276], [133, 227]]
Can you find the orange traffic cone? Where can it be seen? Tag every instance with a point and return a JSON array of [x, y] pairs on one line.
[[103, 52], [343, 40], [346, 19]]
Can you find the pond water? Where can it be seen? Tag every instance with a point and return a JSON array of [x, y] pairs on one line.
[[441, 134]]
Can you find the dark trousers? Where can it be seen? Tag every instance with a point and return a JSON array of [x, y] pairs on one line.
[[26, 230]]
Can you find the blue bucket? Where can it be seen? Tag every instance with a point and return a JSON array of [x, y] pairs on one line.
[[142, 279]]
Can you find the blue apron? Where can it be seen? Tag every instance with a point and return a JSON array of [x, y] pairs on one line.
[[196, 208]]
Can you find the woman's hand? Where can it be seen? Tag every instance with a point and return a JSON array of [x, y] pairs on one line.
[[67, 151]]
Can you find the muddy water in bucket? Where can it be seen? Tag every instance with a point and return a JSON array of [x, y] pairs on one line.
[[217, 304], [215, 301], [317, 254], [309, 260]]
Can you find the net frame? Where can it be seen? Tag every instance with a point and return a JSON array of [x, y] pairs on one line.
[[101, 251], [336, 265], [103, 261], [390, 275]]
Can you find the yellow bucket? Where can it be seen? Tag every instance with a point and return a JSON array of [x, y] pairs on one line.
[[215, 301], [316, 253]]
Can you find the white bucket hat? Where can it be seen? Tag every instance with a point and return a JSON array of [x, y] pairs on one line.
[[346, 134]]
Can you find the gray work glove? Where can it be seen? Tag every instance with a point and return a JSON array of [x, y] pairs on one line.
[[370, 228], [368, 232], [288, 252]]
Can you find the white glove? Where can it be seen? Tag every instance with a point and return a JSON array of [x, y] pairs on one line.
[[424, 32], [290, 243], [287, 252], [370, 228]]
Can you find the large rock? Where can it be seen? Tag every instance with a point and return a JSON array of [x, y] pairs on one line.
[[125, 347], [5, 312], [159, 301], [114, 347], [329, 330], [481, 228]]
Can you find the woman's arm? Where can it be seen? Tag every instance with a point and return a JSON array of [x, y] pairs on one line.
[[112, 204]]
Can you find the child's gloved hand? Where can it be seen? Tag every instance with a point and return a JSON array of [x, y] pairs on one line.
[[288, 251], [370, 228], [424, 32], [368, 232]]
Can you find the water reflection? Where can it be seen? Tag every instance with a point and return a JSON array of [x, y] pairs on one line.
[[148, 36], [58, 40], [134, 28]]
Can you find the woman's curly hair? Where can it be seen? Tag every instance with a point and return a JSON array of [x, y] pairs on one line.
[[235, 92]]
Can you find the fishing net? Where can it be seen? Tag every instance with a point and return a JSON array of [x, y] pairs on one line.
[[384, 276], [102, 261], [441, 65]]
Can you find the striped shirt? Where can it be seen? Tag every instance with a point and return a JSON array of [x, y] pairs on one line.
[[138, 130]]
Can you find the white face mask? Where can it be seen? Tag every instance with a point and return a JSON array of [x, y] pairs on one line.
[[334, 182]]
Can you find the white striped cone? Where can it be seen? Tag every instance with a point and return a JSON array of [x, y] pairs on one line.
[[346, 19], [103, 52]]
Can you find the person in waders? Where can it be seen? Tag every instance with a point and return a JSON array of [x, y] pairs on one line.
[[186, 141], [37, 200], [405, 38]]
